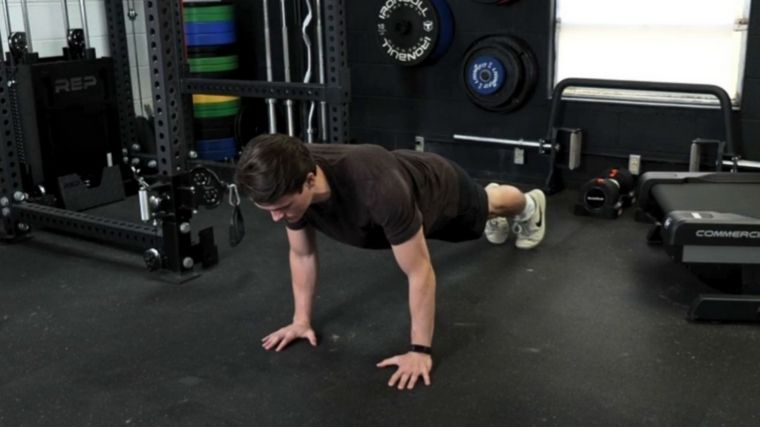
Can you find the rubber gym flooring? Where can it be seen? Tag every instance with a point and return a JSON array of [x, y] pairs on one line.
[[587, 330]]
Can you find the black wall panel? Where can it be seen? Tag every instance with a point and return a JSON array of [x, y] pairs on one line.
[[393, 104], [752, 66], [750, 113]]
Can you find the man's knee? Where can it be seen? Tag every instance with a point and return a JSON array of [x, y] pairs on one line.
[[504, 200]]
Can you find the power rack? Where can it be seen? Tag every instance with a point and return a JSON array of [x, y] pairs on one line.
[[175, 193]]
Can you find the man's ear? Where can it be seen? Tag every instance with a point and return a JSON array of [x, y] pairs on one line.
[[311, 180]]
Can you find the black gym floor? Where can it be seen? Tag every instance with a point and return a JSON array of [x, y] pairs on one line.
[[589, 329]]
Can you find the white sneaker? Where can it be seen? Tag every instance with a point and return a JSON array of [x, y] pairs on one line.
[[531, 232], [497, 228]]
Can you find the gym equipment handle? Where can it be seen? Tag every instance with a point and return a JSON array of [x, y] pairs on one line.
[[718, 92], [511, 142]]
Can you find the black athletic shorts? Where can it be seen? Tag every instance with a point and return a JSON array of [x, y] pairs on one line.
[[473, 212]]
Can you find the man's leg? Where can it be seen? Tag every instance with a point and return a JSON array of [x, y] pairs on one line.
[[527, 211], [504, 200]]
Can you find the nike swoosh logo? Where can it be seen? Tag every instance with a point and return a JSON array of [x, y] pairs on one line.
[[540, 217]]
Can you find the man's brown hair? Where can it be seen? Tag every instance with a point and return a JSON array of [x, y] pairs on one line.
[[272, 166]]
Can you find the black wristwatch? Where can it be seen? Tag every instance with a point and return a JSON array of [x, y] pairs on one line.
[[422, 349]]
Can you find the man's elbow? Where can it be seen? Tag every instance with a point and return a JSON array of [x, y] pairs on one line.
[[423, 275], [303, 254]]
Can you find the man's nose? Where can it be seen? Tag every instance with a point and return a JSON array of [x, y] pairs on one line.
[[277, 216]]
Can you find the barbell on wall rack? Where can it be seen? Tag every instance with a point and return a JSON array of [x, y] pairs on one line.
[[271, 112], [544, 146], [286, 67], [563, 145]]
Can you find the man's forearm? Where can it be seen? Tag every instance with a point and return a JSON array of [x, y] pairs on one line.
[[303, 270], [422, 305]]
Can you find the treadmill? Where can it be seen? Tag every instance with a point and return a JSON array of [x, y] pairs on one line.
[[710, 221]]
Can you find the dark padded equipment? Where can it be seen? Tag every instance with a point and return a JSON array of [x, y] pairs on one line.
[[710, 222], [710, 197]]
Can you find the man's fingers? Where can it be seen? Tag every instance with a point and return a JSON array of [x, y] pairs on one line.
[[426, 377], [276, 335], [285, 341], [271, 341], [404, 379], [395, 377], [412, 381], [388, 362], [408, 373], [312, 337], [281, 338]]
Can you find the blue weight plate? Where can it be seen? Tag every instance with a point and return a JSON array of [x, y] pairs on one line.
[[529, 68], [215, 27], [217, 155], [210, 39], [485, 75], [225, 151], [445, 29], [221, 144], [481, 84]]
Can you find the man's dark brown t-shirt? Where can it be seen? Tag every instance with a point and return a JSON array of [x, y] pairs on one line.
[[380, 197]]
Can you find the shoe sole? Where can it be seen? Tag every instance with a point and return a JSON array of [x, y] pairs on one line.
[[497, 241], [506, 235]]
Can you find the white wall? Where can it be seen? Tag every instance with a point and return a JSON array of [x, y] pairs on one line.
[[49, 34]]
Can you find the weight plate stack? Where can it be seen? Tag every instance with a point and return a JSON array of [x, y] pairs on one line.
[[217, 109], [213, 64], [499, 73], [209, 27], [415, 33], [208, 11], [214, 128], [211, 51], [210, 37], [209, 23], [216, 149]]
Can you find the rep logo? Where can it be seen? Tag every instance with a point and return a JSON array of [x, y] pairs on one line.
[[75, 84]]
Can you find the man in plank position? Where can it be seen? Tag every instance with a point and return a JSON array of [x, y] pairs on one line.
[[367, 196]]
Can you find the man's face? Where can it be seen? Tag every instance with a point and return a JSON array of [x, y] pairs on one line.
[[290, 207]]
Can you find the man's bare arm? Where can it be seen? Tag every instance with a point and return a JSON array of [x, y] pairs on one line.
[[304, 262], [413, 258]]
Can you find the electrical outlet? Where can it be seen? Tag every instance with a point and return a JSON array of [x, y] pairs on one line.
[[519, 156], [419, 143], [634, 164]]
